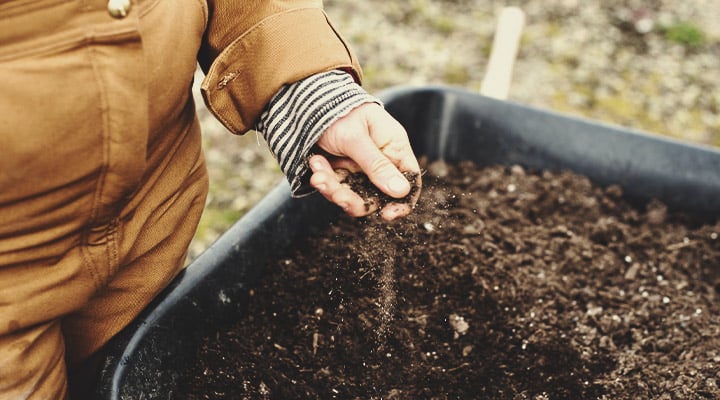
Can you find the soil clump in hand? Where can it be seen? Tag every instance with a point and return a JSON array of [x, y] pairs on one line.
[[361, 184]]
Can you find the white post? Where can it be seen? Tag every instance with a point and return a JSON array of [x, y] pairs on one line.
[[506, 42]]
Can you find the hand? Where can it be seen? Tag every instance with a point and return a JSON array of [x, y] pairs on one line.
[[368, 139]]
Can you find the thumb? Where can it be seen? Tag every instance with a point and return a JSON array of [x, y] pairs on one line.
[[378, 167]]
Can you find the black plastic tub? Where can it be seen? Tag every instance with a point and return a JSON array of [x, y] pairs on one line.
[[150, 357]]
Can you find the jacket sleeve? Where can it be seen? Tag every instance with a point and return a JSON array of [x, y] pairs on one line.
[[296, 117], [253, 48]]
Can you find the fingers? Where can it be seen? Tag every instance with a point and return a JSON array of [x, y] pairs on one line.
[[392, 139], [383, 152], [395, 210], [377, 143], [327, 181], [379, 168], [344, 164], [370, 140]]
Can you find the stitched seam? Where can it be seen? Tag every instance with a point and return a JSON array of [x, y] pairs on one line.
[[104, 163], [87, 261], [204, 8], [66, 41], [320, 112], [340, 38], [112, 250], [146, 8]]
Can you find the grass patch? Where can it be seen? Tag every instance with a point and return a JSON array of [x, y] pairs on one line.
[[215, 221], [444, 24], [685, 34]]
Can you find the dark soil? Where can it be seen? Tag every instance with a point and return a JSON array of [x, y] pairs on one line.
[[503, 284], [360, 184]]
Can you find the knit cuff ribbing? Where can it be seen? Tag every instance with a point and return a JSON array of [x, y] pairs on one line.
[[296, 117]]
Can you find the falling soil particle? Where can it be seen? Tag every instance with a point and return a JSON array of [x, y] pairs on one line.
[[503, 284]]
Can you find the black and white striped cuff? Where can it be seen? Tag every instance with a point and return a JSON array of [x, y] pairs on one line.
[[299, 113]]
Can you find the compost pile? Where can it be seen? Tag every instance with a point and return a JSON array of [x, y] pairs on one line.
[[503, 284]]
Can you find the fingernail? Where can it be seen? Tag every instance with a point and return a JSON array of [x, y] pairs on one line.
[[315, 166], [344, 206], [398, 184], [321, 187]]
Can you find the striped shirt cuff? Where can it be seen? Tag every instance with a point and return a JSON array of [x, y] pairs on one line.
[[299, 113]]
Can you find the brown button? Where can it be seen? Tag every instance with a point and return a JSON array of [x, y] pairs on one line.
[[119, 8]]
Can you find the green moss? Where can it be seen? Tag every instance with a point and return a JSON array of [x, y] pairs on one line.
[[456, 74], [620, 110], [214, 221], [360, 38], [715, 137], [587, 90], [486, 47], [526, 40], [553, 29], [613, 109], [371, 76], [443, 24], [616, 109], [686, 34]]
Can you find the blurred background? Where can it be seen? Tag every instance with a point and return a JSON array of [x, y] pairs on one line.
[[648, 65]]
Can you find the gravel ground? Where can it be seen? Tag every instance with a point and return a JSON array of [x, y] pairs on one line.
[[648, 65]]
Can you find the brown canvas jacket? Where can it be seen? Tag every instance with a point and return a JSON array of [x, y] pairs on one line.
[[102, 178], [247, 59]]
